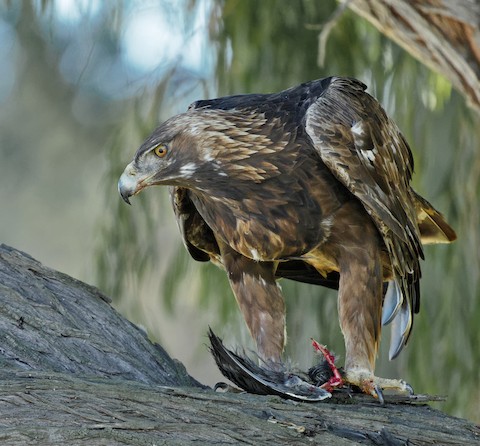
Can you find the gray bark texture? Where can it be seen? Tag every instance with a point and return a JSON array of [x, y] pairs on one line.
[[443, 34], [73, 371]]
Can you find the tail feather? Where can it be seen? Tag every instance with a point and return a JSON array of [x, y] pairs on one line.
[[397, 311], [400, 331], [432, 225], [391, 302]]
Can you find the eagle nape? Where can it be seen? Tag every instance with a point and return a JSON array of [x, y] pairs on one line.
[[311, 184]]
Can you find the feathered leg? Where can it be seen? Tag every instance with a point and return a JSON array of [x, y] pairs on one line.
[[260, 300], [360, 313]]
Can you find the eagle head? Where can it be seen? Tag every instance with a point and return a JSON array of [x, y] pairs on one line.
[[202, 148], [169, 156]]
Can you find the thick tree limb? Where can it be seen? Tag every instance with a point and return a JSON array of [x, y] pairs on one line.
[[73, 371], [442, 34], [54, 323]]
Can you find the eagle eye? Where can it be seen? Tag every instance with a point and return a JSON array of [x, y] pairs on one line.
[[161, 150]]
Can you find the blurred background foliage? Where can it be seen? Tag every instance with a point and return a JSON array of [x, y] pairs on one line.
[[82, 83]]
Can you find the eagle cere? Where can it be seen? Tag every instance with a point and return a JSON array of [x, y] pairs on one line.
[[310, 184]]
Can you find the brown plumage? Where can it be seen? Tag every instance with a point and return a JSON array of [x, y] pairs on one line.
[[311, 184]]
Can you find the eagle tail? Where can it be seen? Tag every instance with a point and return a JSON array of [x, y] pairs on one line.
[[391, 302], [397, 311], [432, 225], [400, 329]]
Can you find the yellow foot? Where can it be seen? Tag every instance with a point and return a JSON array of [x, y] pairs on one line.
[[373, 385]]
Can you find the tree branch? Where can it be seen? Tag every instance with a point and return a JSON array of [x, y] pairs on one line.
[[73, 371], [441, 34]]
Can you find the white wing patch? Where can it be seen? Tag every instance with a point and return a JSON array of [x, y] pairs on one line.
[[358, 128], [359, 133], [255, 255], [369, 154]]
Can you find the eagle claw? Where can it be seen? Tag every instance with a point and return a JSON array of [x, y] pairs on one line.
[[373, 385], [378, 390], [409, 388]]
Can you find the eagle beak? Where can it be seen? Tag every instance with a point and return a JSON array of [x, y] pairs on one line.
[[124, 195], [129, 183]]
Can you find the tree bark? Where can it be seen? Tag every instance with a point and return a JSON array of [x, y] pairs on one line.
[[51, 322], [442, 34], [73, 371]]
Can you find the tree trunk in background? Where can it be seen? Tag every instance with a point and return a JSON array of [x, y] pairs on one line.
[[73, 371], [442, 34]]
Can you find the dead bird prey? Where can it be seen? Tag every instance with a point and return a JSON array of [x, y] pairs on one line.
[[277, 378], [310, 184]]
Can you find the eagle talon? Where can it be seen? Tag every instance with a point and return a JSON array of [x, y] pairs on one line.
[[375, 386], [379, 392], [409, 388]]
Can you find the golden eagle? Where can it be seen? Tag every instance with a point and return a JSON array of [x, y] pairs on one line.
[[310, 184]]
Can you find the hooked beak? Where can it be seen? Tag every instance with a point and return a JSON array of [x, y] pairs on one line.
[[130, 183], [124, 194]]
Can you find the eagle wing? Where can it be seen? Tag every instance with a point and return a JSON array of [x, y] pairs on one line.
[[366, 152], [197, 236]]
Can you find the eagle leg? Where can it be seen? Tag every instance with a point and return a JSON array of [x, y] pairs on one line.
[[260, 300], [360, 297], [367, 383]]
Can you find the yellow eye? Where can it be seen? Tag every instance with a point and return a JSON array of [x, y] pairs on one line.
[[161, 150]]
